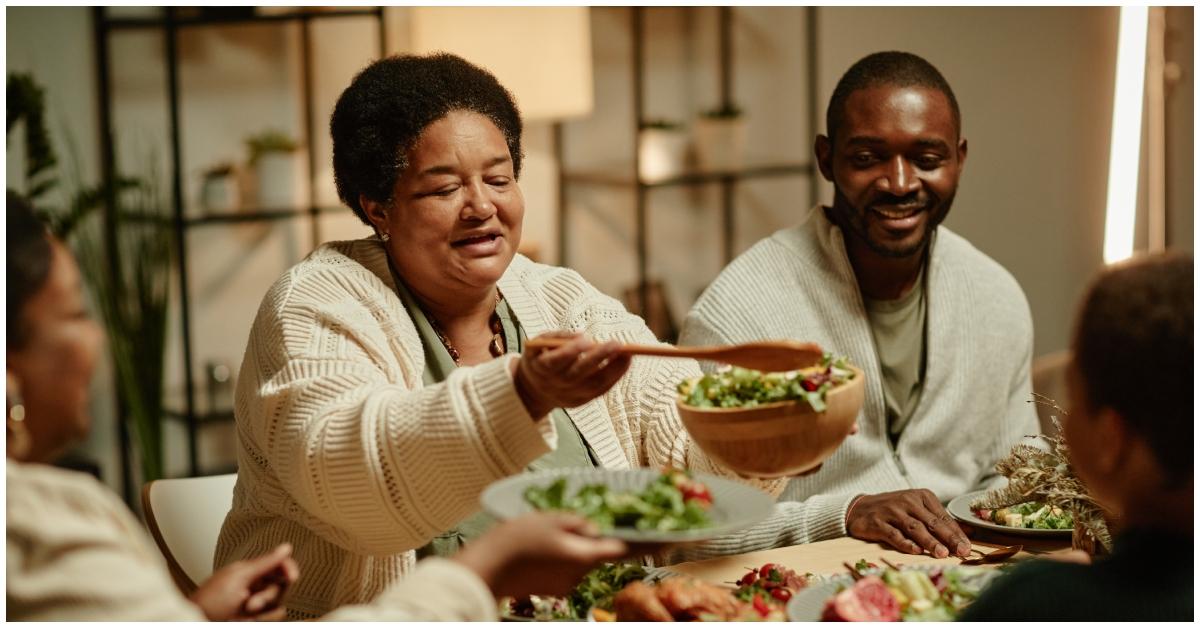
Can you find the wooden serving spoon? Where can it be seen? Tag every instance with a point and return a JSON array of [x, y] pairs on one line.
[[767, 355], [998, 555]]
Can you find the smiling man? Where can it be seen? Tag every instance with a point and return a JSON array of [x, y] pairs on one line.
[[942, 331]]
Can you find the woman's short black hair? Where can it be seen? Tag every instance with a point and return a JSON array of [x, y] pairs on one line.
[[29, 258], [1134, 349], [387, 106]]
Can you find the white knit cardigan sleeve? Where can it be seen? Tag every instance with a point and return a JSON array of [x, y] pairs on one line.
[[436, 590], [330, 399], [74, 552]]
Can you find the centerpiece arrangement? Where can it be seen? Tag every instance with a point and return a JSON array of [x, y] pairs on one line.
[[1046, 477]]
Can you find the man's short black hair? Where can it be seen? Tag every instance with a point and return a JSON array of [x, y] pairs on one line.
[[1134, 349], [898, 69], [28, 259], [387, 106]]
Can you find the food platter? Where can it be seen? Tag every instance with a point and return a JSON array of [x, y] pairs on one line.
[[960, 508], [735, 505], [809, 603]]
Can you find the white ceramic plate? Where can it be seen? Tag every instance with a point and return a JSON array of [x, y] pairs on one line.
[[735, 505], [960, 507], [808, 604]]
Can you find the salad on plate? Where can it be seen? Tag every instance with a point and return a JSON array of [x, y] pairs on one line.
[[1029, 515], [674, 501], [916, 594]]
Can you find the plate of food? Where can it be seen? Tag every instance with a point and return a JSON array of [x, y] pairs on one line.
[[593, 594], [637, 505], [761, 594], [1026, 519], [912, 593]]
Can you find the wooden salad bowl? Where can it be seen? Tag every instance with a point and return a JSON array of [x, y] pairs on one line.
[[776, 439]]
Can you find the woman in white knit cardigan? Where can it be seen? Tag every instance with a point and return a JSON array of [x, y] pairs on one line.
[[384, 384], [75, 552]]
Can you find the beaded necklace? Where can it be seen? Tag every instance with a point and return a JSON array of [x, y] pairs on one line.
[[495, 347]]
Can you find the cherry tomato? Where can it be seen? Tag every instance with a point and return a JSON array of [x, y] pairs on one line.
[[696, 491], [760, 605], [782, 594]]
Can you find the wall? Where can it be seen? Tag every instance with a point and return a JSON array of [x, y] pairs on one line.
[[1180, 119]]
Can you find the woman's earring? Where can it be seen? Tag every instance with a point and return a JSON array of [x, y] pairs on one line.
[[385, 237], [18, 440]]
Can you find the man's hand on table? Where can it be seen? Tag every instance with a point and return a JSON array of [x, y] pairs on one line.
[[911, 521]]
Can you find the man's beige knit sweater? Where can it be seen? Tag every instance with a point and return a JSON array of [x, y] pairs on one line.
[[798, 284], [346, 454]]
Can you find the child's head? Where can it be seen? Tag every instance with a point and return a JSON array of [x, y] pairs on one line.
[[1130, 423]]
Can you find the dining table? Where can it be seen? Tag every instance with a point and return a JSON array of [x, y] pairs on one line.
[[827, 557]]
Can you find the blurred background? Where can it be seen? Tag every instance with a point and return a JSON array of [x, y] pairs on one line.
[[661, 142]]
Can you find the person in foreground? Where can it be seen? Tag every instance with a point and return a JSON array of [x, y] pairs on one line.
[[1129, 431], [387, 381], [74, 552], [943, 332]]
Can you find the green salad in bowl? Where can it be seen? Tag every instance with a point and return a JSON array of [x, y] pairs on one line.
[[772, 424], [737, 387]]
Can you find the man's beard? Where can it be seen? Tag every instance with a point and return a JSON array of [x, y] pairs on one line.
[[847, 217]]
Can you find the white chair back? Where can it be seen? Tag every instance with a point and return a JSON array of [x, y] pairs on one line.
[[185, 517]]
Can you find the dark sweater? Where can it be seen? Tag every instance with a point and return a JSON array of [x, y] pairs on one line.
[[1148, 577]]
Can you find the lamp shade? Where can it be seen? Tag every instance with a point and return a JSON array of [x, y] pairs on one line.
[[543, 55]]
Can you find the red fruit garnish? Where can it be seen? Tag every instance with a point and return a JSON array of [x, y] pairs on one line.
[[696, 491], [782, 594], [761, 606]]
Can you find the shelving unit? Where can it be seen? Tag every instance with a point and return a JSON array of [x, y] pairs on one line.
[[170, 23], [727, 180]]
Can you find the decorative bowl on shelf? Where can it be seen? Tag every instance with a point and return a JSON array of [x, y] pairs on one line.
[[720, 138], [776, 439], [662, 150]]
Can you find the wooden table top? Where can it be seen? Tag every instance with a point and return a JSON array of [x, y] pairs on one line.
[[826, 557]]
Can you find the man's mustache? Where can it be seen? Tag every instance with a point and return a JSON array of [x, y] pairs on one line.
[[914, 200]]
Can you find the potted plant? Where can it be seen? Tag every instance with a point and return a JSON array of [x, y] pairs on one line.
[[720, 138], [273, 158], [126, 260], [662, 150], [219, 190]]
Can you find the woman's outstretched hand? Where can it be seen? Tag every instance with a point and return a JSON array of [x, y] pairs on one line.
[[249, 590], [538, 554], [568, 375]]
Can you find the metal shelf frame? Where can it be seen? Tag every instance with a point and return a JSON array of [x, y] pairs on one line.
[[171, 23], [728, 181]]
